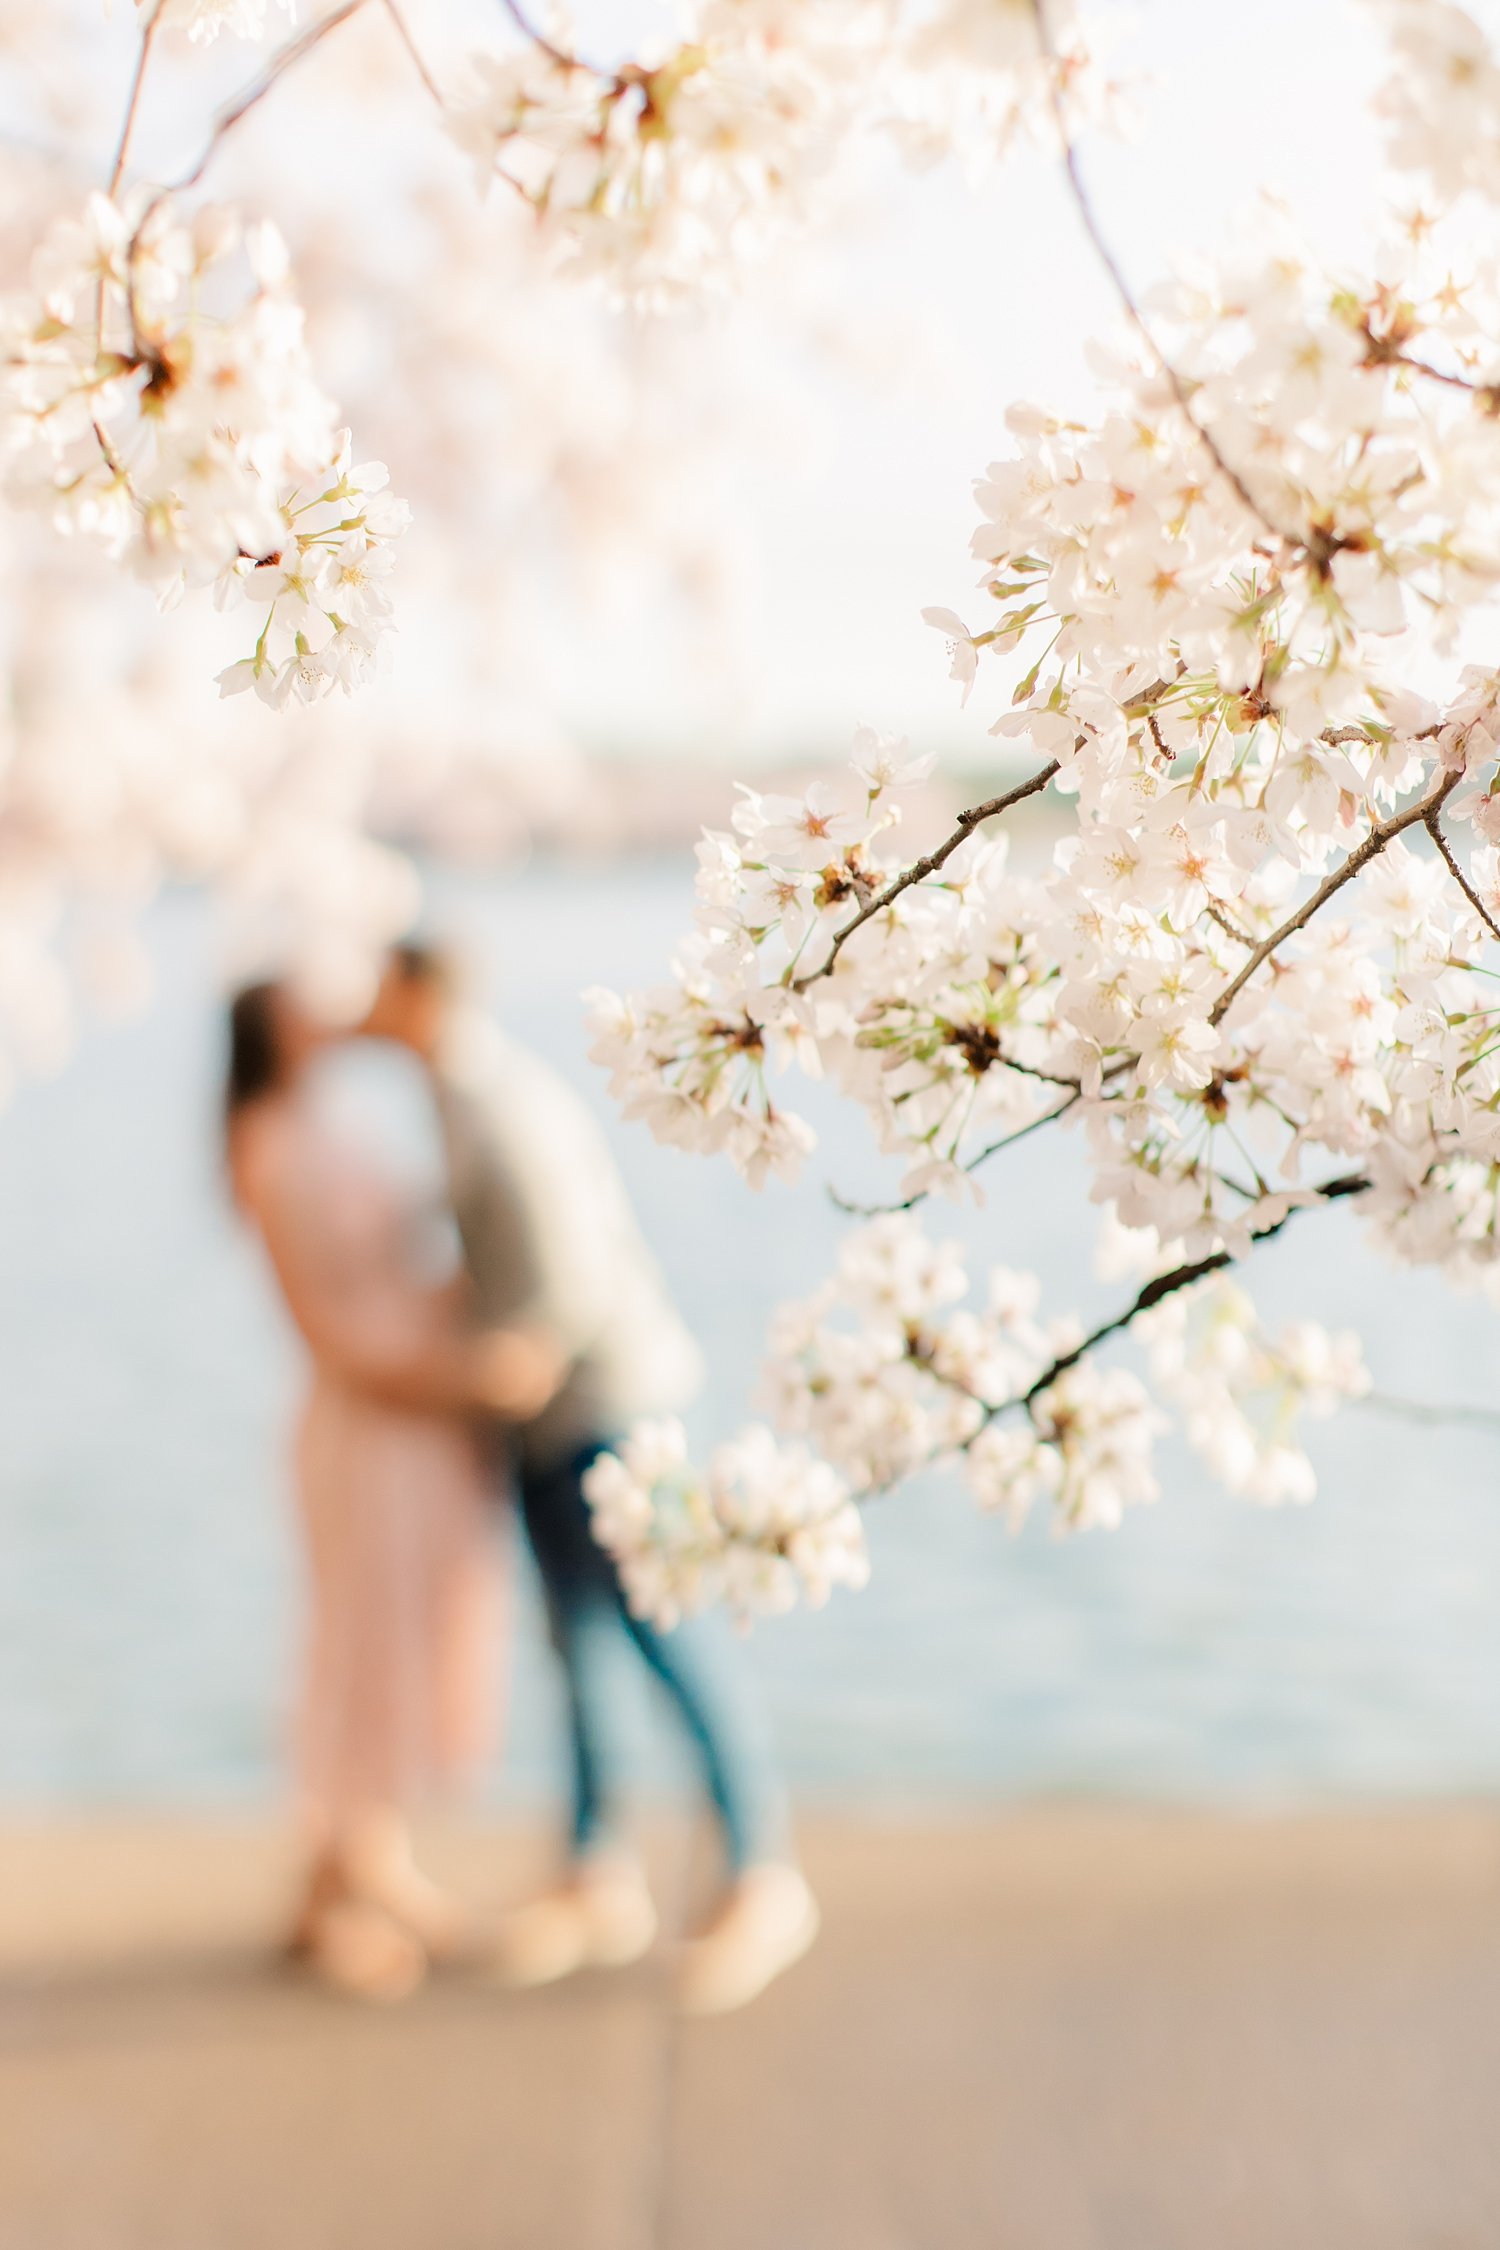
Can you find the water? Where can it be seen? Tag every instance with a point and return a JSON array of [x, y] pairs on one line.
[[1209, 1651]]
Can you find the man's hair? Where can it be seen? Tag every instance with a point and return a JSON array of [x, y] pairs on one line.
[[423, 962]]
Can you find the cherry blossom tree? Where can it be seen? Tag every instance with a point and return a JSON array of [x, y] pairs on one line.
[[1228, 618], [1233, 624]]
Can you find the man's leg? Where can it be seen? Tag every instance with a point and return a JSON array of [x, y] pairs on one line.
[[712, 1695], [725, 1723], [600, 1912], [767, 1916]]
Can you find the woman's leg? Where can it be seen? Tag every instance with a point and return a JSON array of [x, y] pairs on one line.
[[727, 1728], [581, 1623]]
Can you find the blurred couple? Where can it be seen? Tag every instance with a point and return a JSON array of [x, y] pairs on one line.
[[426, 1402]]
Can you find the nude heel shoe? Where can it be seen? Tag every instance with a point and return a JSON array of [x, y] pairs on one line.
[[601, 1916], [361, 1950]]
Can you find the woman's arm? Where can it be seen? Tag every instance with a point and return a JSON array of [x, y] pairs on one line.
[[508, 1373]]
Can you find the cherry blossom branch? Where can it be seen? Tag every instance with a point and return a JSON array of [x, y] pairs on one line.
[[1383, 833], [295, 51], [1425, 368], [1022, 1069], [284, 60], [1099, 242], [929, 864], [1435, 830], [1166, 1285], [1386, 351], [1032, 1125], [1216, 913], [403, 33], [148, 33]]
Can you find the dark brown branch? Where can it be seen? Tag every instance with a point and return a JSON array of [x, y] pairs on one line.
[[929, 864], [1091, 227], [1216, 913], [1030, 1070], [1383, 833], [1434, 829]]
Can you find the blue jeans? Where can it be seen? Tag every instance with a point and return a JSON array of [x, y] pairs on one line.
[[586, 1613]]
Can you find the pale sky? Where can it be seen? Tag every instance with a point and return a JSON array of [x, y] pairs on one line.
[[995, 288]]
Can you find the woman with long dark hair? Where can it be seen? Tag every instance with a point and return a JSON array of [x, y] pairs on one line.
[[391, 1490]]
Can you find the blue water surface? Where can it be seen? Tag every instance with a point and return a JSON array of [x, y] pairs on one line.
[[1209, 1651]]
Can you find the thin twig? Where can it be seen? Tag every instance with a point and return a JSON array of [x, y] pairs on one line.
[[1432, 374], [1032, 1125], [1435, 830], [403, 33], [1383, 833], [1382, 352], [148, 32], [1216, 913], [1420, 1410], [927, 865], [1031, 1070], [1133, 313]]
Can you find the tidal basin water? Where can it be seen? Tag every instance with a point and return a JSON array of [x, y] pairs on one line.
[[1208, 1651]]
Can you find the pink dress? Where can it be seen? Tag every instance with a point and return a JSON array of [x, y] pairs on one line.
[[404, 1612]]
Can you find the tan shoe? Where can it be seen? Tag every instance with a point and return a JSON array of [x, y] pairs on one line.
[[601, 1917], [360, 1950], [439, 1923], [767, 1921]]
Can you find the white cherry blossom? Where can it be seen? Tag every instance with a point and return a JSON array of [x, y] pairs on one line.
[[197, 448]]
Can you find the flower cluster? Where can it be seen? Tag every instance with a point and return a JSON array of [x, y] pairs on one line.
[[767, 1525], [1257, 976], [1442, 99], [154, 405], [658, 173], [888, 1371], [1212, 662], [936, 1020], [203, 20], [1240, 1392]]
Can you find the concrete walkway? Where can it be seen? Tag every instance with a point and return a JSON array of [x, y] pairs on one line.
[[1046, 2031]]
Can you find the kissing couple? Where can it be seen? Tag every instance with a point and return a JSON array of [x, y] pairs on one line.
[[428, 1402]]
